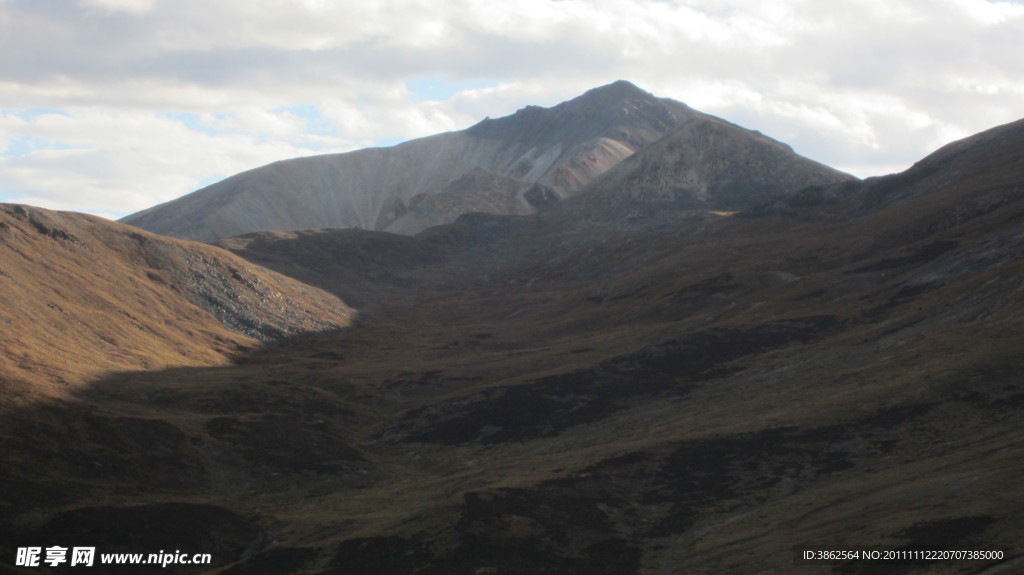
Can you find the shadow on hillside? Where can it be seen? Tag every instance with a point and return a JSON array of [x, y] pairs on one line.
[[163, 461], [215, 460]]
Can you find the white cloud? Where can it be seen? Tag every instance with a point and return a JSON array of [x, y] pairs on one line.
[[113, 162], [282, 125], [161, 96], [127, 6]]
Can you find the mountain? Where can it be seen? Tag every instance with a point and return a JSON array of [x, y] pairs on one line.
[[83, 296], [560, 148], [555, 393], [476, 191], [704, 164], [695, 398]]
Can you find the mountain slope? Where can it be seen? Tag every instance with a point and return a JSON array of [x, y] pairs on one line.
[[704, 164], [705, 397], [839, 366], [476, 191], [83, 296], [563, 147]]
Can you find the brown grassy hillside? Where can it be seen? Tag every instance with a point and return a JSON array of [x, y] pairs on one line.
[[668, 394], [84, 296]]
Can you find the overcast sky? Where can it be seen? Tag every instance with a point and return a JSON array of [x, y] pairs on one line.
[[111, 106]]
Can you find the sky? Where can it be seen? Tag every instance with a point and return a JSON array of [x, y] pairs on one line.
[[112, 106]]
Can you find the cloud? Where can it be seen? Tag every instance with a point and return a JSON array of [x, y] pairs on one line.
[[127, 6], [114, 162], [157, 96]]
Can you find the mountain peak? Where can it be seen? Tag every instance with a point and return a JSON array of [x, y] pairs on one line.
[[595, 113], [619, 89], [615, 97], [562, 147], [612, 95]]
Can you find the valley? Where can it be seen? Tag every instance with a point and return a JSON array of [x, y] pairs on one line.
[[655, 382]]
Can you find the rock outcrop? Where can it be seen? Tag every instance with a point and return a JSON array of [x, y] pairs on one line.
[[562, 148], [704, 164]]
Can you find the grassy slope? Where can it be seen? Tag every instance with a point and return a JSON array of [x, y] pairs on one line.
[[82, 296], [697, 398]]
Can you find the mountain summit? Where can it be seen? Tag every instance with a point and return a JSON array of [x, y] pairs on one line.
[[625, 384], [549, 152], [619, 111]]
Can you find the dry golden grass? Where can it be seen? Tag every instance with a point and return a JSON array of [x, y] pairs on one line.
[[83, 297], [549, 395]]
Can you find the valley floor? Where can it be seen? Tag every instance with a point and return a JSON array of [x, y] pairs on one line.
[[711, 398]]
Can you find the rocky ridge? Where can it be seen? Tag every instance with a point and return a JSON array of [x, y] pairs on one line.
[[551, 393], [705, 164], [560, 148]]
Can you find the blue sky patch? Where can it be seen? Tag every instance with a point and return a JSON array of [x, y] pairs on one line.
[[435, 88], [194, 122], [33, 113], [310, 113], [24, 145], [20, 145]]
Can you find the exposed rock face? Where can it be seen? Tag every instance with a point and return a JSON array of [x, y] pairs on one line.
[[525, 395], [477, 191], [564, 147], [705, 164]]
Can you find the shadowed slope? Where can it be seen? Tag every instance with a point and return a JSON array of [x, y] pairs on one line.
[[705, 397], [842, 367]]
